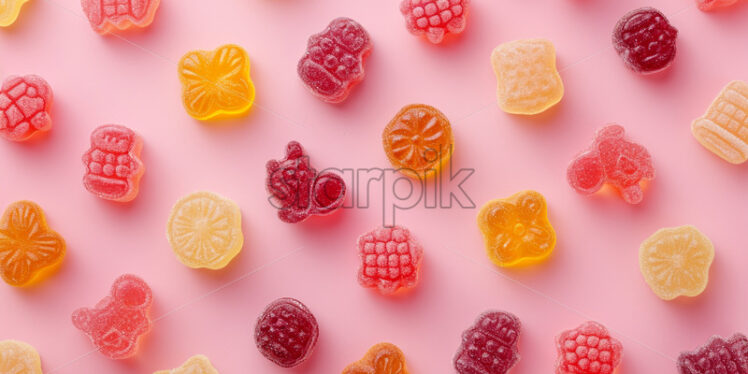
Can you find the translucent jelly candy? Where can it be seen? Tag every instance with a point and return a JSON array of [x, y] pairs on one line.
[[707, 5], [588, 349], [25, 103], [113, 166], [205, 230], [435, 18], [675, 261], [717, 356], [118, 321], [286, 332], [19, 358], [195, 365], [516, 230], [9, 10], [724, 128], [418, 141], [27, 245], [216, 83], [645, 40], [490, 345], [614, 160], [390, 259], [334, 60], [106, 16], [383, 358], [298, 191]]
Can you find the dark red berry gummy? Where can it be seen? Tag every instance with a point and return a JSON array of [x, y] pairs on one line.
[[718, 356], [490, 345], [588, 349], [645, 40], [286, 332]]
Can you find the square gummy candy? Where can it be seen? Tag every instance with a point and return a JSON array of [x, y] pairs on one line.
[[435, 18], [107, 16], [25, 104], [645, 40], [286, 332], [9, 11], [390, 259], [718, 356], [724, 128], [490, 345], [588, 349], [19, 358], [113, 165], [382, 358], [198, 364]]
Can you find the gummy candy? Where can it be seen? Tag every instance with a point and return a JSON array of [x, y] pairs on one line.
[[334, 60], [707, 5], [588, 349], [25, 104], [645, 40], [9, 10], [418, 141], [490, 345], [118, 321], [516, 230], [614, 160], [27, 245], [205, 230], [724, 128], [717, 356], [675, 261], [195, 365], [19, 358], [113, 165], [286, 332], [382, 358], [390, 259], [107, 16], [298, 191], [435, 18], [216, 83], [527, 79]]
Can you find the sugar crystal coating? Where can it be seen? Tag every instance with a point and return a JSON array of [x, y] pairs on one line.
[[113, 165], [707, 5], [435, 18], [588, 349], [390, 259], [645, 40], [724, 128], [9, 11], [286, 332], [718, 356], [198, 364], [25, 104], [490, 345], [107, 16], [19, 358], [382, 358]]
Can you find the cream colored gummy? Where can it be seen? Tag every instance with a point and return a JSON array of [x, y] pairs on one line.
[[19, 358], [195, 365], [724, 128]]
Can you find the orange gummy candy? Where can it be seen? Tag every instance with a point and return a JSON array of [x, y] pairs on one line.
[[9, 11], [724, 128], [382, 358], [27, 245], [516, 229], [216, 82], [19, 358], [198, 364]]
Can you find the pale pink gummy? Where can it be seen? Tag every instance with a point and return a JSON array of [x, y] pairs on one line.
[[435, 18], [707, 5], [113, 165], [25, 103], [108, 15], [390, 259]]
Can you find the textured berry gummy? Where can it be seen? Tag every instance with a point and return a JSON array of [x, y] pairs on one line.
[[25, 103], [113, 165], [718, 356], [334, 60], [382, 358], [490, 345], [390, 259], [286, 332], [19, 358], [724, 128], [645, 40], [588, 349], [106, 16], [435, 18]]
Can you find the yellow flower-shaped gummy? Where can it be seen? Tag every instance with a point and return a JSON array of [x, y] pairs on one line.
[[205, 230], [9, 10], [216, 82], [195, 365], [19, 358], [675, 262], [516, 230]]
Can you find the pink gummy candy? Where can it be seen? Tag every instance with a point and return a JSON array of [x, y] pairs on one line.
[[588, 349], [435, 18], [113, 165], [612, 159], [106, 16], [118, 320], [24, 107], [390, 259], [718, 356], [645, 40], [490, 345], [298, 191], [707, 5], [286, 332], [334, 60]]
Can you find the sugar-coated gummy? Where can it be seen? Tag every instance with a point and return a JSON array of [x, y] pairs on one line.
[[113, 165], [718, 356], [334, 60], [588, 349], [390, 259], [490, 345], [645, 40], [707, 5], [19, 358], [9, 11], [25, 104], [107, 16], [286, 332], [382, 358], [117, 322], [435, 19], [198, 364], [724, 128]]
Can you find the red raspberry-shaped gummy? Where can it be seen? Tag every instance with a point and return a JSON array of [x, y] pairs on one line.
[[390, 259], [490, 345], [435, 18], [719, 356], [645, 40], [588, 349], [286, 332]]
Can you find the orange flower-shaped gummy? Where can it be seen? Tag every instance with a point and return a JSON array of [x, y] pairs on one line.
[[216, 82], [516, 229], [27, 245], [383, 358]]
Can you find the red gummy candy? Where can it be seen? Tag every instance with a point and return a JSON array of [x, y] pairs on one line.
[[612, 159], [435, 18], [109, 15], [719, 356], [490, 345], [645, 40], [707, 5], [334, 60], [24, 107], [286, 332], [298, 191], [390, 259], [118, 320], [113, 166], [588, 349]]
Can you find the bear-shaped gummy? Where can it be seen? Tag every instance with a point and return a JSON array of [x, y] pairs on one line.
[[25, 104], [435, 18], [645, 40], [113, 165], [390, 259], [286, 332], [588, 349], [490, 345]]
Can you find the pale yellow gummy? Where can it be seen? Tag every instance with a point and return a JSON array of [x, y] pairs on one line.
[[724, 128], [198, 364], [19, 358], [9, 11]]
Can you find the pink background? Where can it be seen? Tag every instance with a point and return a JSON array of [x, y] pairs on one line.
[[593, 273]]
